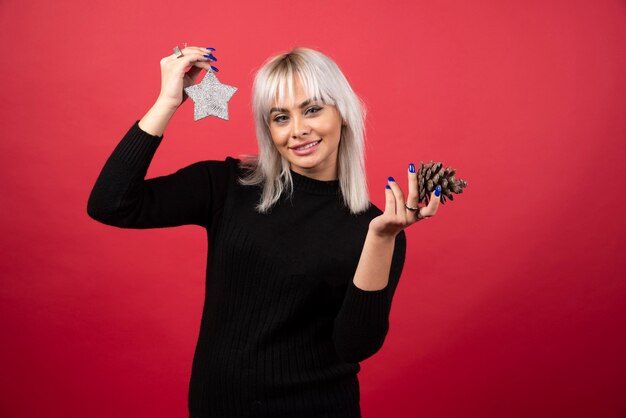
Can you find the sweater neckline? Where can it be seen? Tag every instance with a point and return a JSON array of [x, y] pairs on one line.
[[311, 185]]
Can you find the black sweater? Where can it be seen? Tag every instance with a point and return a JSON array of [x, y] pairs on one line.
[[283, 326]]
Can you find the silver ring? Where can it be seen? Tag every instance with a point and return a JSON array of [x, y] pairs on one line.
[[419, 213], [177, 52]]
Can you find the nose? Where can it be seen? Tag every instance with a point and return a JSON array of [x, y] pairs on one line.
[[299, 127]]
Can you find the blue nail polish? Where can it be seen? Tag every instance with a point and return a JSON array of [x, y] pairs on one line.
[[214, 69], [387, 187], [438, 191], [212, 57], [391, 179], [411, 168], [211, 49]]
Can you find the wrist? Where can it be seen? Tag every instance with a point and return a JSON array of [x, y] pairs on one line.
[[163, 107], [156, 119], [381, 237]]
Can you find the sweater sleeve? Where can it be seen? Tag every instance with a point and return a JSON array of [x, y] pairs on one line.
[[122, 197], [362, 323]]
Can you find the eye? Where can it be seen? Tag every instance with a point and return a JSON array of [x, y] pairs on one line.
[[278, 118], [316, 108]]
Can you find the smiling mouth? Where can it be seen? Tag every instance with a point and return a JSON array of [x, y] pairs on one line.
[[307, 146]]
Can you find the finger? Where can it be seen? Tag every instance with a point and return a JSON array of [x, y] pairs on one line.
[[198, 49], [193, 57], [434, 203], [399, 196], [188, 50], [192, 50], [188, 58], [179, 65], [413, 199], [206, 53], [195, 69], [390, 202]]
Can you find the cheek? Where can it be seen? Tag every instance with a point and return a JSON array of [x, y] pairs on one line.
[[281, 147], [331, 125], [278, 137]]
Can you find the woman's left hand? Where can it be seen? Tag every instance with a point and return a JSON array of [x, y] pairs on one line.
[[397, 216]]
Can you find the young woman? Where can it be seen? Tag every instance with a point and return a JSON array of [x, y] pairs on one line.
[[301, 268]]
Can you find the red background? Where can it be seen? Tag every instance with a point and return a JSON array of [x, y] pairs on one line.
[[512, 299]]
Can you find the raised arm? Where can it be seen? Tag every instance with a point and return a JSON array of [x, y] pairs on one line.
[[123, 197]]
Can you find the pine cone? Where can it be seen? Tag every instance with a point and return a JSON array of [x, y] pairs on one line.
[[430, 175]]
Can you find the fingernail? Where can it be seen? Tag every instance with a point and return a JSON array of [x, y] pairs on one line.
[[214, 69], [438, 191], [391, 179], [411, 168], [212, 57], [387, 187], [211, 49]]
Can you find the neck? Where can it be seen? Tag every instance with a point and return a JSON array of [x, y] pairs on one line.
[[308, 184], [317, 173]]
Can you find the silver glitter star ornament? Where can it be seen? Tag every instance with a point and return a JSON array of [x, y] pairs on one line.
[[210, 97]]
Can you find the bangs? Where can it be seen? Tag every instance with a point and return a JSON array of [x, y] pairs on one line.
[[281, 82]]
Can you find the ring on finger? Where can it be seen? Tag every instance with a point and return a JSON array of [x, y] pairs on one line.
[[419, 212], [177, 52]]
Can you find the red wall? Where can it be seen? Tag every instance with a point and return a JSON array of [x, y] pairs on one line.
[[512, 299]]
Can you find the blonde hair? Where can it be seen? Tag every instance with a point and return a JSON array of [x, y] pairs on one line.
[[321, 78]]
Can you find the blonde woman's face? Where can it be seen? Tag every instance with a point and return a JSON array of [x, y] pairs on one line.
[[307, 135]]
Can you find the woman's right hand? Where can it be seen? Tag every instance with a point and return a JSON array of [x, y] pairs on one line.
[[174, 77]]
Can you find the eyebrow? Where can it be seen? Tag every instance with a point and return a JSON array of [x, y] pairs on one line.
[[303, 104]]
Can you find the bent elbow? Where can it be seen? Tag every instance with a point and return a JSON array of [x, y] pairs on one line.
[[100, 209], [96, 213], [94, 210]]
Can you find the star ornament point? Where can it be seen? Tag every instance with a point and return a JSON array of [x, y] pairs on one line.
[[210, 97]]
